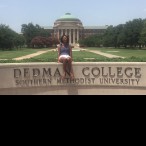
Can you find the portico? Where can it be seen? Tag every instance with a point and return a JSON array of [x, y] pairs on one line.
[[74, 34], [73, 27], [70, 26]]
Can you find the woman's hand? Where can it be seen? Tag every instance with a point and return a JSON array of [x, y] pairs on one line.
[[58, 58]]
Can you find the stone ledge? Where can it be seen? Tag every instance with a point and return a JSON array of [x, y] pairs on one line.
[[81, 90], [39, 76]]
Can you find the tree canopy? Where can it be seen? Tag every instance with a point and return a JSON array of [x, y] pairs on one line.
[[132, 34], [31, 31], [9, 38]]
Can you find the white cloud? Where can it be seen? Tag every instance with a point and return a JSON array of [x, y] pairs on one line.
[[144, 10]]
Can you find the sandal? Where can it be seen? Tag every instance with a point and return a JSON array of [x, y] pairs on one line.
[[64, 76], [72, 76]]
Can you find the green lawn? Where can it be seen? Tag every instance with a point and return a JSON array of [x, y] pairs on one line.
[[129, 52], [80, 56], [47, 57], [18, 53], [132, 55]]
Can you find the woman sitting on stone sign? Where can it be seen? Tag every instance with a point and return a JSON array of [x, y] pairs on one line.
[[65, 56]]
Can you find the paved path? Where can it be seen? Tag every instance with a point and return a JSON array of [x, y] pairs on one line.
[[100, 53], [32, 55], [105, 54], [77, 48]]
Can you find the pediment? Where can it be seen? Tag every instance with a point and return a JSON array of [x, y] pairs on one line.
[[67, 25]]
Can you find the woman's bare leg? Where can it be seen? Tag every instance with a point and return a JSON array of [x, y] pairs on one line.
[[64, 61], [70, 68], [64, 68]]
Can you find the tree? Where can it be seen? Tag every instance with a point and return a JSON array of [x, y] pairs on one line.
[[132, 32], [19, 41], [41, 42], [142, 39], [31, 31], [9, 39], [109, 37]]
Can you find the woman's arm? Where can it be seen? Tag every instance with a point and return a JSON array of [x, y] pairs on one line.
[[71, 54], [58, 46]]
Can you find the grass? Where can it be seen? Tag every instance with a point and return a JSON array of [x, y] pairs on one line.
[[131, 55], [18, 53], [128, 53], [53, 57]]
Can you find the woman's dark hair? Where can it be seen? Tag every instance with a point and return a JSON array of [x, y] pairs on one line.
[[61, 40]]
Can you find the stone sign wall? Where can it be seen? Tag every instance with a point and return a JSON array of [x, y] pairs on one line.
[[87, 75]]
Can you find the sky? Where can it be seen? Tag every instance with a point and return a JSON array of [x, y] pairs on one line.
[[14, 13]]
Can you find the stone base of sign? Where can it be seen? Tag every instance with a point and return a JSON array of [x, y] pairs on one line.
[[93, 90], [100, 78]]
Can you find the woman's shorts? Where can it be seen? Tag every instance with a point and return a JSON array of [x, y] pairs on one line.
[[64, 56]]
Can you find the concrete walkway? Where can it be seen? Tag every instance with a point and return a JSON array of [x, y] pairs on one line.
[[76, 49], [105, 54], [100, 53], [32, 55], [93, 51], [97, 52]]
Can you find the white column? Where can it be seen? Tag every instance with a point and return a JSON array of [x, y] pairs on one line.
[[74, 33], [77, 34], [61, 32], [58, 34], [70, 36], [66, 31]]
